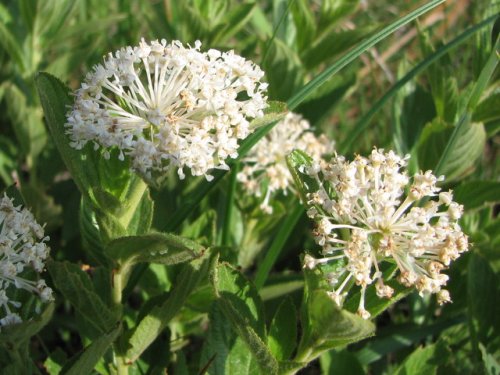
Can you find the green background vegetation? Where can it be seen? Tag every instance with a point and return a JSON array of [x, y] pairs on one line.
[[430, 89]]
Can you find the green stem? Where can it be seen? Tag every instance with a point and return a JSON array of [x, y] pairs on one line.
[[121, 366], [117, 287], [304, 356]]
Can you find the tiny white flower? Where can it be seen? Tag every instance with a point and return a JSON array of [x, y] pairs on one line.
[[365, 218], [168, 106], [22, 247], [266, 171]]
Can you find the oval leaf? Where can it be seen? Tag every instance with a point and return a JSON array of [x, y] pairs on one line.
[[163, 248], [241, 304]]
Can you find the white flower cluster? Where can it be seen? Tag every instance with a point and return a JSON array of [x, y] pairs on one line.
[[22, 249], [266, 169], [165, 105], [366, 199]]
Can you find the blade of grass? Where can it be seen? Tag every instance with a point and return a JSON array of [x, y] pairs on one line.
[[363, 123], [320, 79], [477, 90], [277, 245]]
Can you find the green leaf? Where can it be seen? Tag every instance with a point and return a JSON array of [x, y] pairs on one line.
[[274, 112], [298, 162], [89, 230], [488, 109], [142, 218], [28, 9], [77, 288], [233, 21], [108, 226], [223, 351], [282, 338], [163, 248], [491, 365], [55, 361], [304, 22], [327, 326], [17, 334], [461, 158], [55, 99], [424, 360], [153, 324], [235, 291], [217, 345], [241, 304], [333, 11], [26, 122], [474, 194], [52, 17], [85, 362]]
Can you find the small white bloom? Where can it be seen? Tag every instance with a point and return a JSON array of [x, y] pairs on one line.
[[22, 247], [366, 199], [266, 171], [168, 106]]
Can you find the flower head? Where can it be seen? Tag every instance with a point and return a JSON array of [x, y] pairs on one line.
[[266, 170], [366, 198], [22, 249], [166, 105]]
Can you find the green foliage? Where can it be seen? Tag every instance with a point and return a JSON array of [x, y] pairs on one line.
[[240, 303], [470, 144], [159, 248], [77, 288], [151, 279]]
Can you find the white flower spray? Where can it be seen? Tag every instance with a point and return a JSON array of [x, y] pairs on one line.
[[265, 171], [366, 199], [165, 105], [22, 251]]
